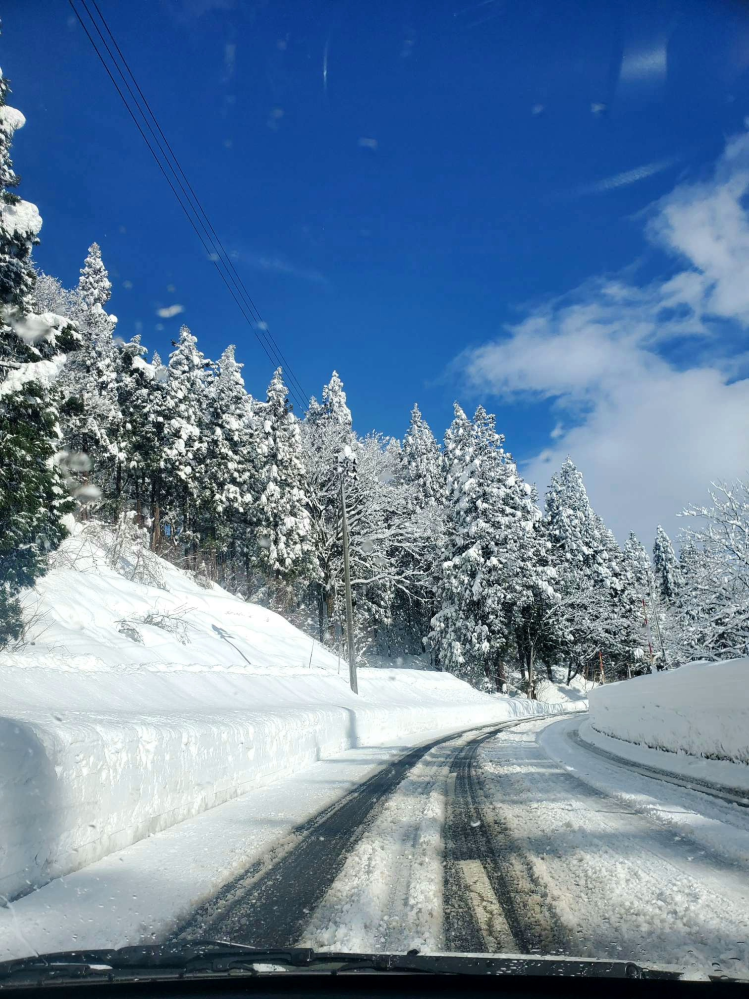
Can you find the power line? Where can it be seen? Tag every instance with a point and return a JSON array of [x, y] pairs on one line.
[[220, 262], [211, 244], [179, 172]]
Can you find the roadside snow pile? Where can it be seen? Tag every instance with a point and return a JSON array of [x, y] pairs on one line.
[[576, 691], [144, 698], [700, 711]]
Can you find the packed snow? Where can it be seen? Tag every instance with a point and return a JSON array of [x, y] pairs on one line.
[[693, 720], [143, 698], [632, 868]]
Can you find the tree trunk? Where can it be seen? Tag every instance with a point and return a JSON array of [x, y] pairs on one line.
[[531, 692], [156, 529]]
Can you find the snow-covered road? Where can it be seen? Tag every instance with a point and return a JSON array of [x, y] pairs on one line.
[[519, 840]]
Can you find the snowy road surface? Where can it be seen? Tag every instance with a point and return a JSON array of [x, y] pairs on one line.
[[510, 840]]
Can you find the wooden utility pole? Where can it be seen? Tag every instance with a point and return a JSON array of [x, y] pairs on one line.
[[349, 606], [660, 637], [649, 636]]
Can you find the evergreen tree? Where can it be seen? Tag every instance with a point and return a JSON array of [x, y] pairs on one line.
[[639, 567], [184, 444], [230, 468], [334, 402], [283, 521], [423, 464], [91, 416], [138, 446], [666, 567], [33, 500], [494, 570], [597, 616], [326, 434], [94, 285]]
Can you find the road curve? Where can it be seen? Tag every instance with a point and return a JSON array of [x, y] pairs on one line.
[[491, 841], [270, 904]]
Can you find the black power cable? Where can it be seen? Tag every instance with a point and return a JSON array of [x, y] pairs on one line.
[[200, 211], [254, 321]]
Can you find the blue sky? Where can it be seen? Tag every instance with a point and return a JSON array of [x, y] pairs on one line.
[[444, 214]]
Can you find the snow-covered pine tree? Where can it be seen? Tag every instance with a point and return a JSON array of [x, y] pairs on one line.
[[597, 619], [33, 500], [137, 447], [421, 474], [91, 416], [666, 567], [622, 650], [94, 285], [282, 512], [184, 441], [711, 611], [334, 402], [230, 470], [640, 567], [423, 464], [493, 568], [326, 433]]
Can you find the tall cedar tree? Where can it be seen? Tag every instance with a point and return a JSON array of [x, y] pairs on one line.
[[33, 498]]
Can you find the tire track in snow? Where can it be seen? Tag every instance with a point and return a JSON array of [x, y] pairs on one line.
[[493, 901], [272, 902], [623, 885]]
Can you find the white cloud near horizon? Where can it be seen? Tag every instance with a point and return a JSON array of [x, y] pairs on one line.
[[648, 434]]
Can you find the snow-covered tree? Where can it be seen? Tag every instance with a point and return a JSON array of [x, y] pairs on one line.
[[666, 567], [282, 512], [183, 446], [597, 617], [639, 567], [423, 465], [711, 614], [334, 401], [33, 499], [326, 434], [231, 465], [94, 285], [494, 569]]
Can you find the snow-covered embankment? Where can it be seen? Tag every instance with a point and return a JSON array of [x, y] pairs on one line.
[[139, 706], [694, 720]]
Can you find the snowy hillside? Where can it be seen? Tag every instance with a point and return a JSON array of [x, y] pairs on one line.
[[142, 698]]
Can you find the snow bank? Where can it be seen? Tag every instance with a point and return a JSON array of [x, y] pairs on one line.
[[139, 705], [577, 691], [701, 710]]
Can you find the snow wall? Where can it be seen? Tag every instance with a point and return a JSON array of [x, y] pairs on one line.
[[122, 756], [135, 705], [701, 709]]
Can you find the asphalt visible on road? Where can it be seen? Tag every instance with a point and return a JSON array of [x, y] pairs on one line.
[[270, 904]]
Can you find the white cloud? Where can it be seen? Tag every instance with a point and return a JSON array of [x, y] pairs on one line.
[[649, 435], [644, 63], [280, 265], [627, 177], [366, 143], [170, 311]]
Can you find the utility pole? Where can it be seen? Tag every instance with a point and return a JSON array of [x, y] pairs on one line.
[[649, 636], [349, 607], [658, 629]]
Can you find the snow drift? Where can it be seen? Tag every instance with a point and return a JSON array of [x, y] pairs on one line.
[[701, 709], [143, 698]]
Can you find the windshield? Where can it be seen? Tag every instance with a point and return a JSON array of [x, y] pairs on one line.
[[374, 510]]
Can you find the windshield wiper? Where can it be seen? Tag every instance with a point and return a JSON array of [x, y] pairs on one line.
[[209, 958]]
